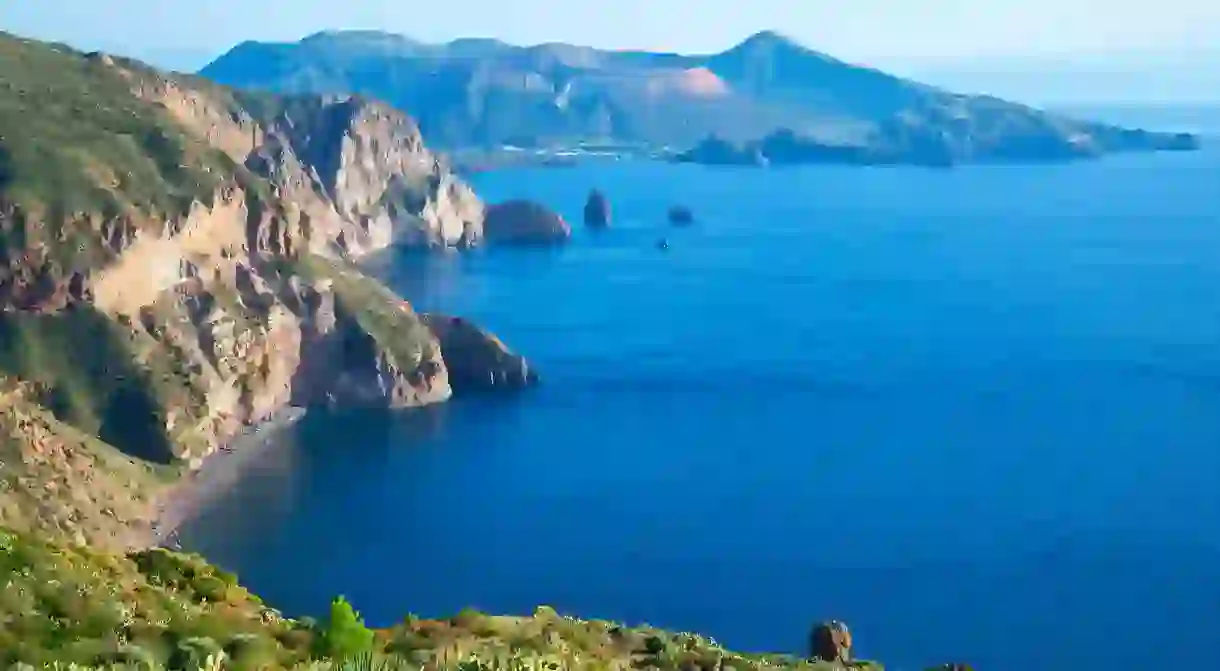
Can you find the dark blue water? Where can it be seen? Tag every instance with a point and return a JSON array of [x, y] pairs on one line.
[[973, 413]]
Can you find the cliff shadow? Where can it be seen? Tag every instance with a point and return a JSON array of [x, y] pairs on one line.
[[88, 378]]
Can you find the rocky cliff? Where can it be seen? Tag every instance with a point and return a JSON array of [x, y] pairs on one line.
[[176, 263]]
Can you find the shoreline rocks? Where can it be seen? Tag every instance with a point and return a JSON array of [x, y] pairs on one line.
[[597, 210], [524, 222], [830, 642], [477, 360]]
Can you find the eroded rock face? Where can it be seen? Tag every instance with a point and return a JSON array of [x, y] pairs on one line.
[[356, 173], [477, 359], [830, 642], [597, 210], [255, 338], [344, 366], [524, 222], [214, 292], [371, 167]]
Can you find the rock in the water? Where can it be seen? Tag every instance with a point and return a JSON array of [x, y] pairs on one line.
[[524, 222], [477, 359], [830, 642], [597, 210], [681, 216]]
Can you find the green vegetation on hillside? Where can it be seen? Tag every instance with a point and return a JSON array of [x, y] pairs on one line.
[[72, 604], [92, 375], [63, 482], [160, 609], [74, 141]]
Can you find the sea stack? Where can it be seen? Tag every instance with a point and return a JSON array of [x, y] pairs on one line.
[[524, 222], [681, 216], [597, 210], [477, 359]]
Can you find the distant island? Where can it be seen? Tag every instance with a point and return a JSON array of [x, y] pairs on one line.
[[768, 100]]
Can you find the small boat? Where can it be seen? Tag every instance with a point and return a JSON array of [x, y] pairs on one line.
[[662, 244]]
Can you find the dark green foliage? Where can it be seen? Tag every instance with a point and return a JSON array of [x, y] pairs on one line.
[[654, 645]]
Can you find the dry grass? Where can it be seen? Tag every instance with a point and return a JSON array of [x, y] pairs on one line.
[[59, 481]]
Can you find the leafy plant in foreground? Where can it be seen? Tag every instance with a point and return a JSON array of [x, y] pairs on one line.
[[345, 636]]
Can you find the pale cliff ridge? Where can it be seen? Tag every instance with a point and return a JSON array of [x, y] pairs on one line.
[[176, 264], [356, 172]]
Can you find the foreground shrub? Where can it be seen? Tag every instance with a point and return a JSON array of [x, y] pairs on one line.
[[345, 636]]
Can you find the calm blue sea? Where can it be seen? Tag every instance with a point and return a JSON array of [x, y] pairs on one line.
[[973, 413]]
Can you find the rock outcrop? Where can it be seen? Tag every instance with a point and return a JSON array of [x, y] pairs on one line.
[[830, 642], [524, 222], [680, 215], [356, 171], [481, 361], [176, 263], [597, 210]]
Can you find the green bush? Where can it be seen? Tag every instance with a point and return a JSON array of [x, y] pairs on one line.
[[345, 635]]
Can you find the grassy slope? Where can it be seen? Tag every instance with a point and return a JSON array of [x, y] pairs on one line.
[[70, 604], [102, 377], [74, 140], [63, 482]]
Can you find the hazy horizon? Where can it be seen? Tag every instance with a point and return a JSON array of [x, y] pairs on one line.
[[1035, 50]]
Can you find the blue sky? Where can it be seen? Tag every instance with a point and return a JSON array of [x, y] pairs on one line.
[[908, 36]]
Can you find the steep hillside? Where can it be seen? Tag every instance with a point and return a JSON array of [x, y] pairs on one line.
[[485, 92], [176, 264], [156, 609]]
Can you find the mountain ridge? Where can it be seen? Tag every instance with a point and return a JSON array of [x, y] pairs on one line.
[[483, 92]]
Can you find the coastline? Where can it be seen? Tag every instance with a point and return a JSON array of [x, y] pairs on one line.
[[182, 500]]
